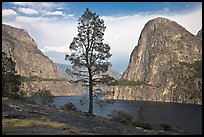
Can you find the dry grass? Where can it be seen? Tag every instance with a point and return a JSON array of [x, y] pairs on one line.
[[25, 123], [32, 122]]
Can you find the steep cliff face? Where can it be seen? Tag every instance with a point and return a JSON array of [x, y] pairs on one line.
[[30, 61], [163, 61], [199, 34], [32, 64]]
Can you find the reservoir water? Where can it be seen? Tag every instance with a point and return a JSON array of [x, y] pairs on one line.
[[188, 117]]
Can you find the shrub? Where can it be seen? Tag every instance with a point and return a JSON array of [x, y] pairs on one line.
[[195, 68], [121, 116], [43, 96], [125, 82], [126, 118], [69, 106], [141, 115], [145, 125], [166, 127]]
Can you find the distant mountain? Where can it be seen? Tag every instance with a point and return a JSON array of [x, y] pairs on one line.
[[62, 68], [114, 73]]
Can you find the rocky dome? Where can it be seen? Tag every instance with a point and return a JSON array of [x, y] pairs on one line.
[[161, 61]]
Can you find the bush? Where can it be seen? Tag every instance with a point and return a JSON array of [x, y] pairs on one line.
[[141, 115], [126, 118], [125, 82], [166, 127], [37, 78], [195, 68], [69, 106], [121, 116], [145, 125], [43, 96]]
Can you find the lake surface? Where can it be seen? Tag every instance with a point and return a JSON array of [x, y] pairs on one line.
[[186, 116]]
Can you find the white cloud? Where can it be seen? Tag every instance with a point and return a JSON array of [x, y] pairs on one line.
[[192, 21], [8, 12], [61, 49], [55, 13], [22, 3], [28, 10], [40, 5], [44, 8], [69, 15], [31, 4], [32, 20]]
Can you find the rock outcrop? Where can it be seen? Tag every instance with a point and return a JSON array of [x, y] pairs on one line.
[[30, 61], [199, 34], [166, 65], [32, 64]]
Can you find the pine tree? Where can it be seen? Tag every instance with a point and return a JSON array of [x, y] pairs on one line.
[[90, 55], [10, 80]]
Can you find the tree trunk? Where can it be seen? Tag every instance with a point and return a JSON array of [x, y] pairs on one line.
[[90, 93]]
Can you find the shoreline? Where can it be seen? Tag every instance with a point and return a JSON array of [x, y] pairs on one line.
[[75, 121]]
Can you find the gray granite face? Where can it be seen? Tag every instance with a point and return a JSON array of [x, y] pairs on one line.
[[199, 34], [162, 46], [31, 62]]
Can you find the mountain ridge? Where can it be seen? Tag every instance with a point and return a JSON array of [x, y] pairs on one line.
[[36, 69], [63, 67]]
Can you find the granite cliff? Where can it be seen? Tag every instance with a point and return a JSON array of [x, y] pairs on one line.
[[36, 69], [164, 66], [199, 34]]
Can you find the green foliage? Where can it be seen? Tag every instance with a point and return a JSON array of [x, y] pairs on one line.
[[83, 101], [69, 106], [98, 100], [121, 116], [166, 127], [10, 81], [147, 126], [89, 55], [88, 49], [102, 103], [188, 82], [195, 68], [107, 80], [43, 96], [125, 82], [37, 78]]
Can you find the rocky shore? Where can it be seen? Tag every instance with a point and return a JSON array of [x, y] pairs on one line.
[[21, 117]]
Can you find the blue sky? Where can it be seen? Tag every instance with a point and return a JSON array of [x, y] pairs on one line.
[[112, 8], [54, 24]]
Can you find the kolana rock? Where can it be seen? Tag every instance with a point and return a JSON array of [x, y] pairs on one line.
[[38, 70], [162, 63]]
